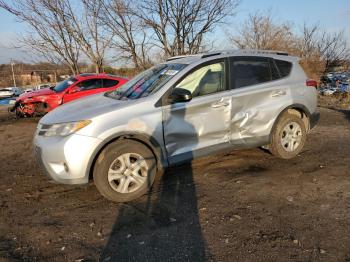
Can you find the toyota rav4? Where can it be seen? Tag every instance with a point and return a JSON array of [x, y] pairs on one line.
[[176, 111]]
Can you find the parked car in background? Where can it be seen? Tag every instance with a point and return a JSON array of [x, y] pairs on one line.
[[44, 100], [6, 92], [42, 86], [329, 91], [10, 92], [28, 90], [344, 87], [16, 91], [176, 111]]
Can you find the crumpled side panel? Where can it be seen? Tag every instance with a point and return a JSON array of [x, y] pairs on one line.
[[196, 126], [253, 116]]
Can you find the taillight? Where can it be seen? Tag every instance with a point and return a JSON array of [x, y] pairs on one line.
[[311, 82]]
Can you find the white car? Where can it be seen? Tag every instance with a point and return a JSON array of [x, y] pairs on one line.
[[10, 92], [16, 91], [6, 92], [42, 86], [329, 91], [28, 90]]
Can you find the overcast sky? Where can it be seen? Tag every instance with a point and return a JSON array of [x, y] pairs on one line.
[[331, 15]]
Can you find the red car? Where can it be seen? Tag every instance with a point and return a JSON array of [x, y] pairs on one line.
[[47, 99]]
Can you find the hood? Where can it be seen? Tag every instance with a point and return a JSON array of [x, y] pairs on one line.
[[41, 92], [83, 109]]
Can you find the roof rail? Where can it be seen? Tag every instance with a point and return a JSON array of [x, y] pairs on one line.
[[179, 57], [258, 51], [211, 54], [230, 51]]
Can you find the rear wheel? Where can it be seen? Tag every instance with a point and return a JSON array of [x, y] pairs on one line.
[[125, 170], [288, 137]]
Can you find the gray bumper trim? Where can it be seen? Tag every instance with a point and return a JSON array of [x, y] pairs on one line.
[[314, 119]]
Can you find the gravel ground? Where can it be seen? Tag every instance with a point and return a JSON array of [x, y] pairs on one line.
[[241, 206]]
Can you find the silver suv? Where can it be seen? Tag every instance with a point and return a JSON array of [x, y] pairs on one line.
[[187, 107]]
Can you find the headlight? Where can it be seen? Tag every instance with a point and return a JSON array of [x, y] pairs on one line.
[[63, 129]]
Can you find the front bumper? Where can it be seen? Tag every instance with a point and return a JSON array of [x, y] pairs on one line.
[[66, 159], [314, 119]]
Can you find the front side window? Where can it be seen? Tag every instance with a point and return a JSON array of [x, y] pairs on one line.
[[90, 84], [248, 71], [205, 80], [61, 86]]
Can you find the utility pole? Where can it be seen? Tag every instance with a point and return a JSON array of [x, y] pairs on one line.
[[13, 73]]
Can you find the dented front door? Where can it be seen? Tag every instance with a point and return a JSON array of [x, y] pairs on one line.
[[202, 125], [197, 128]]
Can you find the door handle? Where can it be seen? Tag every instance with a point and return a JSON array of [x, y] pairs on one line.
[[219, 103], [279, 93]]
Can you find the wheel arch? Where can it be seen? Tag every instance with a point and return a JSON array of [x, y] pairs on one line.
[[300, 110], [144, 139]]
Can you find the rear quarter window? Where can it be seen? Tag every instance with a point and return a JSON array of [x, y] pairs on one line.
[[109, 82], [284, 67]]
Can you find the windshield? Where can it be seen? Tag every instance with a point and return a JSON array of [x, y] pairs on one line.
[[148, 82], [61, 86]]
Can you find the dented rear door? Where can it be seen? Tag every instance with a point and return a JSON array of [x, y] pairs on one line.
[[258, 95]]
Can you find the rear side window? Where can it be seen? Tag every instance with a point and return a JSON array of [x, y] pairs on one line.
[[284, 67], [110, 82], [247, 71]]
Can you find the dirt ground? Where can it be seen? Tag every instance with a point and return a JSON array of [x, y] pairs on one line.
[[338, 101], [243, 206]]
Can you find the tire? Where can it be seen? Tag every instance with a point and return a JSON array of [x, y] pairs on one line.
[[124, 170], [288, 136]]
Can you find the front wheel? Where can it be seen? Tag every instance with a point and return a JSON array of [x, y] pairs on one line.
[[288, 137], [124, 170]]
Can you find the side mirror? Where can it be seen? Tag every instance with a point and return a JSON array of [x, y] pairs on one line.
[[73, 90], [179, 95]]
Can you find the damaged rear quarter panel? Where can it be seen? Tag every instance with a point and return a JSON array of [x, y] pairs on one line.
[[254, 111]]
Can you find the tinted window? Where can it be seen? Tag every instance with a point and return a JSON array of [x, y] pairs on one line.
[[274, 71], [247, 71], [205, 80], [90, 84], [109, 82], [284, 67]]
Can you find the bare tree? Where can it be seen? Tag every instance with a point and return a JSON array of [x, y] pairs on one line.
[[62, 30], [131, 37], [318, 49], [333, 48], [87, 30], [181, 25], [317, 45], [49, 36], [261, 32], [311, 59]]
